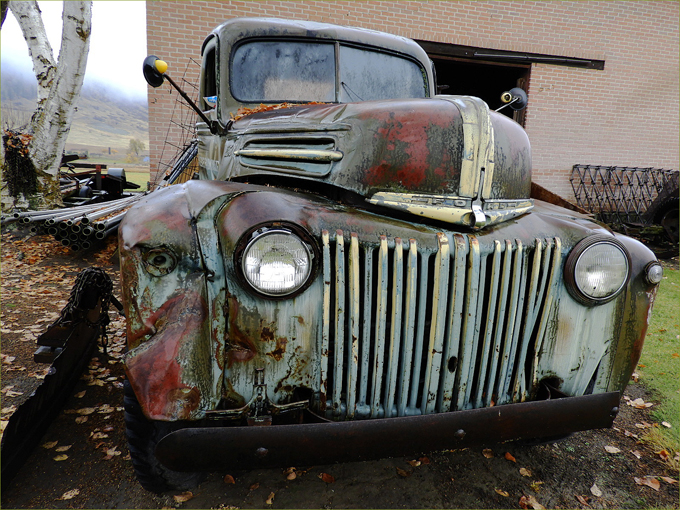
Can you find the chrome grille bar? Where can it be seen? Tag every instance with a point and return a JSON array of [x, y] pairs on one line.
[[396, 342]]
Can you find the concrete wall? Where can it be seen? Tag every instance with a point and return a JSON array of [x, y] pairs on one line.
[[626, 114]]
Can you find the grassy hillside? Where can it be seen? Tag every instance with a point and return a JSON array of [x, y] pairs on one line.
[[103, 124]]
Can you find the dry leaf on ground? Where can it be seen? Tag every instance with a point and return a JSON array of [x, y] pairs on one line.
[[414, 463], [229, 479], [595, 491], [61, 457], [649, 481], [70, 494], [255, 486], [509, 457], [582, 499], [270, 499], [669, 480], [524, 472], [612, 449], [502, 493], [402, 472], [530, 502], [487, 452], [326, 477], [185, 496]]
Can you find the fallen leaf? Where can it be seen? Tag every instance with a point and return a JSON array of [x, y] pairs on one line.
[[402, 472], [530, 502], [229, 479], [111, 453], [524, 472], [81, 419], [509, 457], [630, 434], [414, 463], [70, 494], [488, 453], [664, 455], [80, 394], [424, 460], [666, 424], [255, 486], [595, 491], [637, 454], [270, 499], [502, 493], [85, 411], [49, 444], [59, 458], [635, 376], [639, 403], [290, 473], [63, 448], [185, 496], [326, 477], [99, 435], [536, 486], [582, 499], [649, 481], [668, 480], [612, 449]]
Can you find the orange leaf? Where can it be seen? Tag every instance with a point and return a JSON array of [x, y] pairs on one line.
[[649, 481], [229, 479], [424, 460], [403, 473], [326, 477], [582, 499], [254, 486], [185, 496], [509, 457]]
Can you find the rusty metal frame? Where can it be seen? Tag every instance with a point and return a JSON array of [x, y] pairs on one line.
[[214, 448]]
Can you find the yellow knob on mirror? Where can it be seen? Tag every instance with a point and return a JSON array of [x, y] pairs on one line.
[[161, 66]]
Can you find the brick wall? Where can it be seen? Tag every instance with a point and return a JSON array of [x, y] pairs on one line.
[[626, 114]]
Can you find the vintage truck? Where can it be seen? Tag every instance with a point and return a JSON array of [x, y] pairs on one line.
[[360, 270]]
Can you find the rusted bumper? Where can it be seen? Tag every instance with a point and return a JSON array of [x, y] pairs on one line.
[[213, 448]]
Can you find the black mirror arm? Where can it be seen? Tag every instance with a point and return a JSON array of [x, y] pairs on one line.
[[211, 124]]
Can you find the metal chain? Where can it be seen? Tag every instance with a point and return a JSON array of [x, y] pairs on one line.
[[75, 310]]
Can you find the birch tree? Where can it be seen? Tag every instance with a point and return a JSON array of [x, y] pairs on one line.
[[59, 84]]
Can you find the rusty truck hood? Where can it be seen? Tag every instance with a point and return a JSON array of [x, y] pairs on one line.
[[447, 158]]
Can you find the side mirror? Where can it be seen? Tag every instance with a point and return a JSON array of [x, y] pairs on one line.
[[154, 69], [515, 98]]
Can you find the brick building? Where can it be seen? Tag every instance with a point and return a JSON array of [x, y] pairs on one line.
[[602, 77]]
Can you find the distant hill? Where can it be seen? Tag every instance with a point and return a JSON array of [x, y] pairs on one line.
[[104, 122]]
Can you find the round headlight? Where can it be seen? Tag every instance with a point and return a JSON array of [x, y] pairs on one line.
[[596, 270], [276, 262], [654, 273]]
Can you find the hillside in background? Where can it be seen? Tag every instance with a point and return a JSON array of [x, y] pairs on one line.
[[104, 122]]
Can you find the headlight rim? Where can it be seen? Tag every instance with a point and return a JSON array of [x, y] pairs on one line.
[[253, 234], [575, 255]]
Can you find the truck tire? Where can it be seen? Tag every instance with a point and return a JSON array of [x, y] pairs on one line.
[[143, 435]]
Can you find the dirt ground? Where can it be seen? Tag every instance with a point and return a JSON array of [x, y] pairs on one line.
[[597, 469]]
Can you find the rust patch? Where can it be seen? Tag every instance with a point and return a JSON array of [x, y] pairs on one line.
[[240, 348], [280, 349]]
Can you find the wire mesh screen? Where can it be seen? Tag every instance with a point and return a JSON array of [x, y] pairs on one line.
[[180, 140], [623, 195]]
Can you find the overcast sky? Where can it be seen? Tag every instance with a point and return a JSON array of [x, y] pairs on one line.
[[117, 44]]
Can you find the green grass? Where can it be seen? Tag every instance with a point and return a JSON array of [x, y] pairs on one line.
[[659, 365], [140, 178]]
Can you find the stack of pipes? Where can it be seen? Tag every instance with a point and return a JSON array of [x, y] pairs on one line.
[[77, 227]]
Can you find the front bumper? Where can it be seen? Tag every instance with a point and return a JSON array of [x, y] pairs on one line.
[[215, 448]]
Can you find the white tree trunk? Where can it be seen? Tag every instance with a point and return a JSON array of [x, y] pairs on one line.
[[59, 83]]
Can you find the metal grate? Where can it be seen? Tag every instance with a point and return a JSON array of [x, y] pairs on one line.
[[621, 195], [408, 331]]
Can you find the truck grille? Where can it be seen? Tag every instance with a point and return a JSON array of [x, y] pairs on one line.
[[408, 331]]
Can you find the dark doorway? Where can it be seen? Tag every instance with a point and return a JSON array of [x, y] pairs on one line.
[[486, 80]]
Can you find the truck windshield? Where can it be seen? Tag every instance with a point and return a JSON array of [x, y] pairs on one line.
[[280, 71]]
